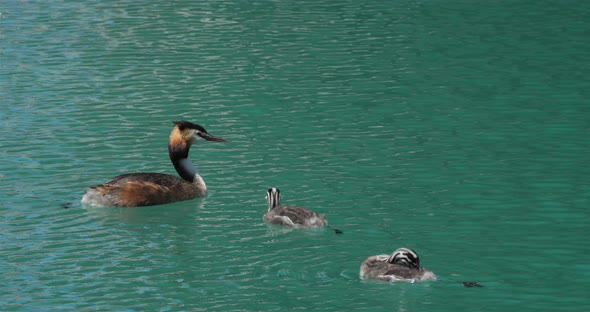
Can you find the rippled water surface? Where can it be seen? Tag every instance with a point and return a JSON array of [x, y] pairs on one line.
[[456, 128]]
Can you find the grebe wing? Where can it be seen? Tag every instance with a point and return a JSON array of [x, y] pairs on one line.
[[143, 189], [151, 177], [402, 271], [377, 267], [298, 215], [374, 266]]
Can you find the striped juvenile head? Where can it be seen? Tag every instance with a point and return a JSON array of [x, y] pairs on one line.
[[406, 257], [273, 197]]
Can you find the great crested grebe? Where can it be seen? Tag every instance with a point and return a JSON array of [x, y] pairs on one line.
[[403, 265], [291, 216], [148, 188]]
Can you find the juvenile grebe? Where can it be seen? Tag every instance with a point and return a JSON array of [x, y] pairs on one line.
[[403, 265], [147, 188], [291, 216]]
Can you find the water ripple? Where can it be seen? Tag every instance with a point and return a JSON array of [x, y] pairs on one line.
[[407, 124]]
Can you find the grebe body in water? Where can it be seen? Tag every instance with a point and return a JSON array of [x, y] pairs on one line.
[[147, 188], [403, 265], [291, 216]]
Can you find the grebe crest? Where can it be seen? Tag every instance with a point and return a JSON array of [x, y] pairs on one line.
[[147, 188]]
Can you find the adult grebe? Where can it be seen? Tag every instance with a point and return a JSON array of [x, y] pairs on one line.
[[403, 265], [147, 188], [291, 216]]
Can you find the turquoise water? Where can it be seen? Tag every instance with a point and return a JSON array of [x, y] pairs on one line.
[[456, 128]]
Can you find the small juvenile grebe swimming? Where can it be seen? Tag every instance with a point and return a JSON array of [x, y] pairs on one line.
[[403, 265], [291, 216], [148, 188]]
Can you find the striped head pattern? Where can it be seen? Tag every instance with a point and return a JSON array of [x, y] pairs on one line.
[[273, 197], [405, 256]]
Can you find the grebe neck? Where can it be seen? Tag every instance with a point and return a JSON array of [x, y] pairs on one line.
[[183, 165], [273, 197], [186, 169]]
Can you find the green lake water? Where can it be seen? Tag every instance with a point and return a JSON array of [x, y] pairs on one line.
[[456, 128]]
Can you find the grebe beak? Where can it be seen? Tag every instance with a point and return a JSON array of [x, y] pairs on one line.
[[209, 137]]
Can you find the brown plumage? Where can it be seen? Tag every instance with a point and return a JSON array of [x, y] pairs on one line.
[[148, 188]]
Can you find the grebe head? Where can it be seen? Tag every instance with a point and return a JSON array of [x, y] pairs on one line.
[[273, 197], [184, 135], [405, 256], [190, 132]]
